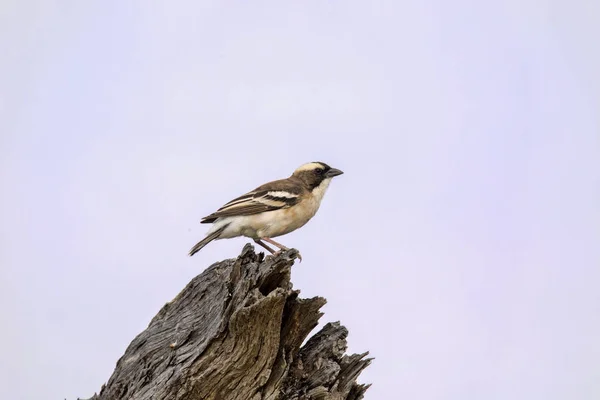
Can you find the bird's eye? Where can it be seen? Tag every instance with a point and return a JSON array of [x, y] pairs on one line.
[[318, 171]]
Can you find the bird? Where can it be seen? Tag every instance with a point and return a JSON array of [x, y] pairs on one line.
[[273, 209]]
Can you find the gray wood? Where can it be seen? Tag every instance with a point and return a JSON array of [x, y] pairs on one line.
[[235, 332]]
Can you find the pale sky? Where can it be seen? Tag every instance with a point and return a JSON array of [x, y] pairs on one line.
[[460, 247]]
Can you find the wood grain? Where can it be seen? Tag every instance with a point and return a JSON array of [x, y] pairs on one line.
[[235, 332]]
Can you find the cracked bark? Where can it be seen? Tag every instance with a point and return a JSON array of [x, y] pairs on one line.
[[235, 332]]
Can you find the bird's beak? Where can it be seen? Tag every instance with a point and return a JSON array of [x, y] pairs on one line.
[[333, 172]]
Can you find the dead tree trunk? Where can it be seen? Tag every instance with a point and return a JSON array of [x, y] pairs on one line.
[[235, 332]]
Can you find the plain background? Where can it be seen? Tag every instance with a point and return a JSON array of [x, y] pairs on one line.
[[460, 247]]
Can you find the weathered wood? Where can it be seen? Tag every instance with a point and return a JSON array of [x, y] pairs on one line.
[[235, 332]]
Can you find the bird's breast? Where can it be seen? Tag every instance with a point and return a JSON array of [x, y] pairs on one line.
[[281, 222]]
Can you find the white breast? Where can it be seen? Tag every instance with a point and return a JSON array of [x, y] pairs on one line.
[[320, 190]]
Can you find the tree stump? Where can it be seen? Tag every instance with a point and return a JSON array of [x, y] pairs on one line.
[[235, 332]]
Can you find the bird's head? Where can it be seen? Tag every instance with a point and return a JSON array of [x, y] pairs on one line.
[[313, 174]]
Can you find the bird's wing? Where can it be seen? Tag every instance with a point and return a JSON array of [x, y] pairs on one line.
[[271, 196]]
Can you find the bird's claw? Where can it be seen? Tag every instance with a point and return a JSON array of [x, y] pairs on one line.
[[297, 253]]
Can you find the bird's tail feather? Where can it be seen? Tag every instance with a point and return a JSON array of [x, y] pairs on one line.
[[209, 238]]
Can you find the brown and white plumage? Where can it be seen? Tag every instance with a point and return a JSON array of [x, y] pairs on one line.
[[273, 209]]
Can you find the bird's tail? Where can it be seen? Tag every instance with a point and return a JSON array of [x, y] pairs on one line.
[[209, 238]]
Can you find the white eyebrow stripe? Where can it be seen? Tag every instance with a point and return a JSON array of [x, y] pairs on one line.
[[309, 167], [280, 193]]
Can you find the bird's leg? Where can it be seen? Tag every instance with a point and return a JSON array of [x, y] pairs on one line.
[[282, 247], [274, 243], [258, 241]]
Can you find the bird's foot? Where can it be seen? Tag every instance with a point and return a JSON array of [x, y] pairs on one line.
[[295, 253], [282, 248]]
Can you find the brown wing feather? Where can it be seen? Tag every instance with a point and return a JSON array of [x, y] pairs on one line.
[[291, 185], [249, 203], [245, 210]]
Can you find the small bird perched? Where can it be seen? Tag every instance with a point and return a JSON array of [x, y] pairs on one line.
[[273, 209]]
